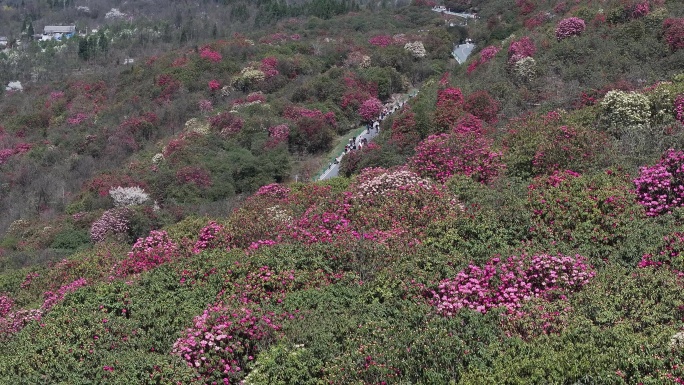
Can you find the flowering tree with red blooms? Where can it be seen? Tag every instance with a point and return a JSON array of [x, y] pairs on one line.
[[466, 151], [269, 66], [208, 53], [226, 124], [573, 26], [449, 107], [521, 49], [214, 85], [525, 7], [483, 105], [404, 133], [673, 31], [370, 109]]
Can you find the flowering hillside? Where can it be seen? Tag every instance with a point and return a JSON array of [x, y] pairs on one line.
[[517, 221]]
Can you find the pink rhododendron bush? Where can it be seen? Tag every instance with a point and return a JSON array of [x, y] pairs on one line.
[[660, 188], [573, 26], [465, 151], [511, 282]]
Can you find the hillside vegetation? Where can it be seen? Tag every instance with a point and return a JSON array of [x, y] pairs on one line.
[[519, 221]]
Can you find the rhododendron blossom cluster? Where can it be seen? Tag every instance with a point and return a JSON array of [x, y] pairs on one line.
[[370, 109], [147, 253], [573, 26], [679, 108], [269, 66], [209, 54], [486, 55], [210, 237], [223, 340], [113, 222], [660, 187], [673, 31], [511, 282], [521, 49], [466, 150]]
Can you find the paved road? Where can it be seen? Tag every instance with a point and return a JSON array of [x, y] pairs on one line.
[[462, 51], [333, 170], [459, 14]]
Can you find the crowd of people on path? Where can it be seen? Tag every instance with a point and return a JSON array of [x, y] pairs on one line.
[[356, 143]]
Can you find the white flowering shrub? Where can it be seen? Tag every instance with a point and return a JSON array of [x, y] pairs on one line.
[[416, 49], [128, 196], [525, 70], [625, 110], [197, 126], [157, 158]]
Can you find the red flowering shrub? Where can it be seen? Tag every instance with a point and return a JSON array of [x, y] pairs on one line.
[[370, 109], [573, 26], [449, 107], [521, 49], [269, 67], [464, 151], [226, 124], [208, 53], [404, 133], [214, 85], [660, 187], [673, 31], [482, 105], [212, 236], [147, 253], [525, 7]]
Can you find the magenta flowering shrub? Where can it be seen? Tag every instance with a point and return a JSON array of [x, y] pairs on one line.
[[572, 26], [277, 135], [6, 305], [226, 124], [148, 253], [52, 298], [486, 55], [370, 109], [511, 282], [112, 223], [521, 49], [679, 108], [673, 31], [296, 113], [214, 85], [466, 151], [660, 188], [641, 9], [212, 236], [13, 322], [224, 339], [381, 40], [273, 190], [449, 107], [208, 53], [269, 66], [205, 105]]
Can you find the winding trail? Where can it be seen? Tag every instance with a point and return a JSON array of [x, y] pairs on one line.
[[333, 168]]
